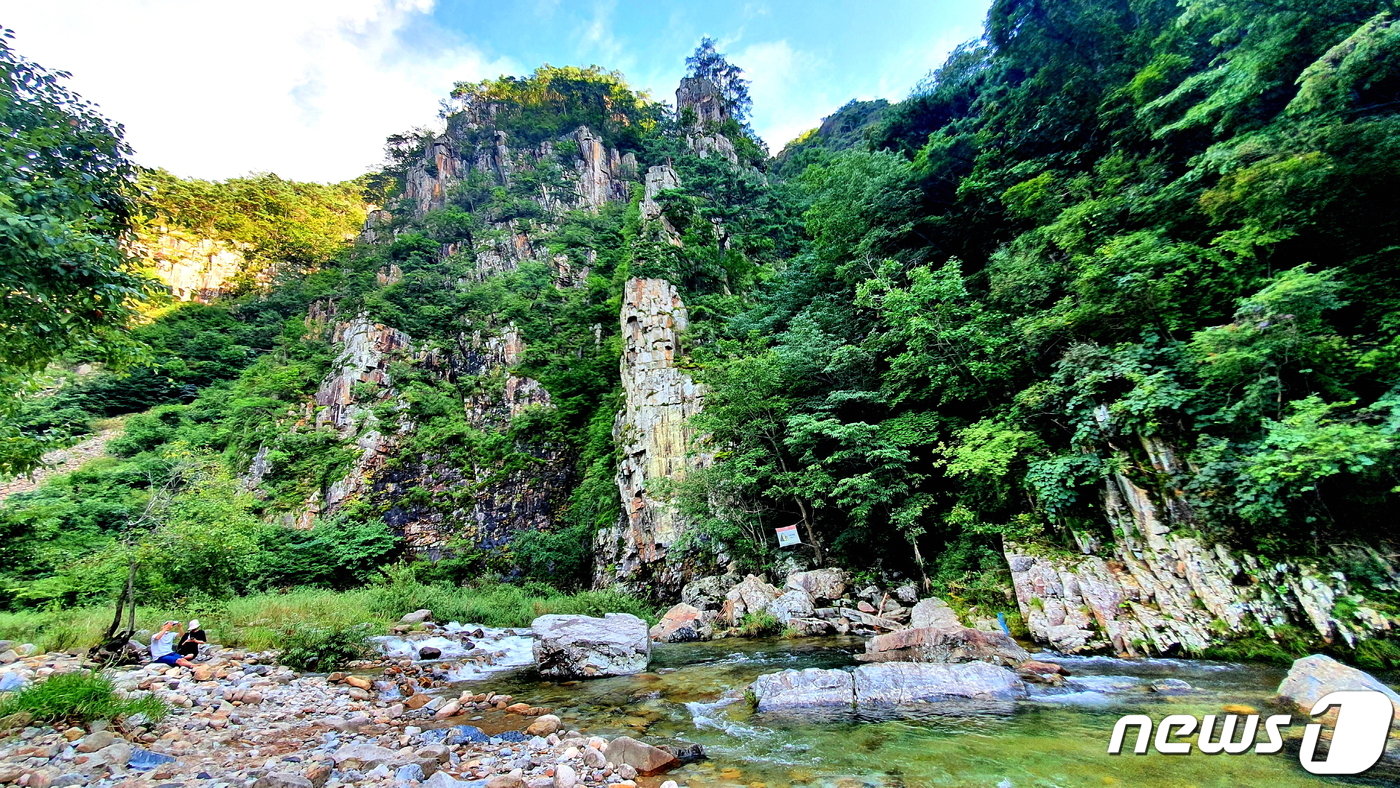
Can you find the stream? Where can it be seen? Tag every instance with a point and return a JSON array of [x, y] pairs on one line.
[[694, 692]]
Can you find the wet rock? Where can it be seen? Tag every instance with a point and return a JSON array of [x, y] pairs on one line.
[[429, 652], [928, 644], [1042, 672], [822, 585], [586, 647], [1314, 676], [933, 612], [813, 688], [646, 759], [683, 623], [904, 683], [1172, 687]]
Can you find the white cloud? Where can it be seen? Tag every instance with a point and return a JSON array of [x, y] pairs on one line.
[[308, 89], [785, 102]]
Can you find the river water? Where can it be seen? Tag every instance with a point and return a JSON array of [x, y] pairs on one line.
[[1058, 738]]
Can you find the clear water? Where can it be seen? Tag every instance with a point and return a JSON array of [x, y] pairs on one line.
[[1057, 739]]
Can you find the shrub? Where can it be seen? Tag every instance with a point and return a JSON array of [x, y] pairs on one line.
[[759, 623], [75, 697], [323, 649]]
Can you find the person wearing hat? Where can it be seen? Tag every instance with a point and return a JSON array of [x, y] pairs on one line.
[[163, 646], [192, 640]]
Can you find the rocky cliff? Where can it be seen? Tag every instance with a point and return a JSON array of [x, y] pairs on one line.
[[1156, 587], [195, 268], [656, 441]]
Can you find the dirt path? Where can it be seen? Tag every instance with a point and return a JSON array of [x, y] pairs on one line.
[[62, 461]]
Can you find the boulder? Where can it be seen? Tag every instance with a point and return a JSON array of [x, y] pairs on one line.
[[429, 652], [543, 725], [417, 617], [907, 593], [822, 585], [707, 593], [682, 624], [928, 644], [573, 647], [905, 683], [1314, 676], [646, 759], [751, 595], [813, 688], [792, 604], [933, 612], [809, 627]]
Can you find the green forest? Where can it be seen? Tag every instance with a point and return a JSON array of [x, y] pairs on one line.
[[1142, 239]]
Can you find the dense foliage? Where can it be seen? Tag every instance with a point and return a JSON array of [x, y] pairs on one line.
[[278, 224], [66, 206], [1134, 239]]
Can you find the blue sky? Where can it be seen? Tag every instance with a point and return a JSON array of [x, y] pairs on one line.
[[310, 88]]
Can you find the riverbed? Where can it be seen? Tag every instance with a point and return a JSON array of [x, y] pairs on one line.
[[694, 692]]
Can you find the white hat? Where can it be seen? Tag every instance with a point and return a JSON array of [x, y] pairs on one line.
[[194, 623]]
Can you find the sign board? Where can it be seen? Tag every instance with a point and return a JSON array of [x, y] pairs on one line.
[[788, 537]]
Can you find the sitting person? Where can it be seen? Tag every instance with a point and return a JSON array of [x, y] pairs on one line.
[[192, 640], [163, 646]]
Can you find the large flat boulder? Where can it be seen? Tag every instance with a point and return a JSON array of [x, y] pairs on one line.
[[581, 647], [794, 690], [822, 585], [1314, 676], [682, 624], [907, 683], [930, 644]]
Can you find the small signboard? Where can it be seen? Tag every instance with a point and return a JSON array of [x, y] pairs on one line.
[[787, 537]]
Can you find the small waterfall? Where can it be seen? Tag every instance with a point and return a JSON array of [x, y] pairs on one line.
[[478, 650], [704, 715]]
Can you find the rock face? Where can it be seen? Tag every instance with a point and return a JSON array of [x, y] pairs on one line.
[[656, 439], [884, 685], [195, 268], [930, 644], [575, 647], [1158, 589], [1314, 676]]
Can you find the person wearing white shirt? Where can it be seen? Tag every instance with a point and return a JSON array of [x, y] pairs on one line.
[[163, 646]]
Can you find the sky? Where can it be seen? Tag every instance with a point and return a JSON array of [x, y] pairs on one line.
[[309, 89]]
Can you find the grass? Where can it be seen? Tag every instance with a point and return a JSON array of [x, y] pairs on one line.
[[78, 696], [759, 623], [261, 621]]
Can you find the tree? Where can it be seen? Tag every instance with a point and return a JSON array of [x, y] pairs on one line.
[[709, 63], [66, 280]]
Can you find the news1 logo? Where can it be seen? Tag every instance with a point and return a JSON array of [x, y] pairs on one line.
[[1358, 737]]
